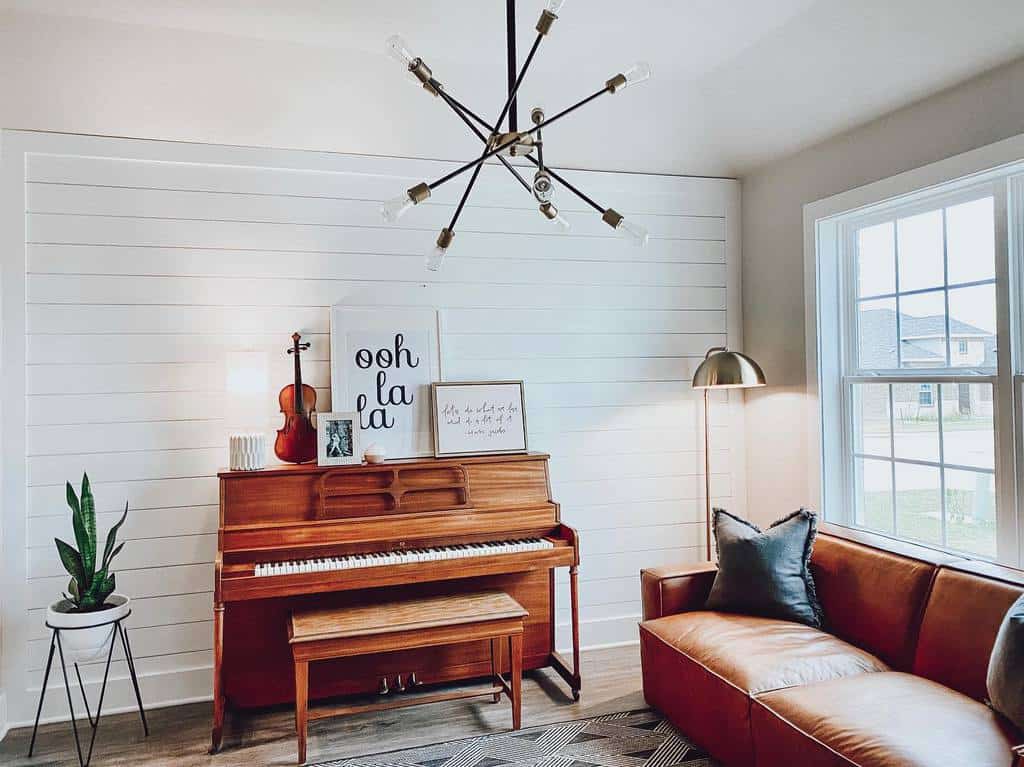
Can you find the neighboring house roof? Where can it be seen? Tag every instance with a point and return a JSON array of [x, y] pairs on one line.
[[877, 328]]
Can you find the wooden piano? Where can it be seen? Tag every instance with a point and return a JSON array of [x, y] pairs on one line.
[[309, 536]]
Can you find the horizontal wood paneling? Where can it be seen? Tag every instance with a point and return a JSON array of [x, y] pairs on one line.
[[141, 274]]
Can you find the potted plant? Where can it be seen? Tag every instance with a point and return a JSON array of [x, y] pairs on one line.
[[86, 613]]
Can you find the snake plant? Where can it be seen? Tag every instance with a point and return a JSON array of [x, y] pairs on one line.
[[91, 581]]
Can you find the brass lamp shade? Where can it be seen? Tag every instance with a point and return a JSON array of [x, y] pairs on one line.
[[724, 369]]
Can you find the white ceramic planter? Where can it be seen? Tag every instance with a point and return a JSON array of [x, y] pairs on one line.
[[86, 636]]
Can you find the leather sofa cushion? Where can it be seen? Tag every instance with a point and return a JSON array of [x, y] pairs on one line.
[[959, 629], [878, 720], [758, 654], [871, 598]]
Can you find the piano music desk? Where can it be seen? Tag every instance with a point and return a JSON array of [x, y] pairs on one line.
[[382, 628]]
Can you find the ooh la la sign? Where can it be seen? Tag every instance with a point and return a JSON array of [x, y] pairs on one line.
[[383, 361]]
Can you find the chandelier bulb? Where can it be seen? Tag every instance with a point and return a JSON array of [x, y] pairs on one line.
[[435, 258], [635, 233], [394, 209], [551, 214], [637, 73], [398, 49], [555, 6]]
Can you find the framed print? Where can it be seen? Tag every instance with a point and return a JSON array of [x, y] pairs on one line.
[[478, 418], [338, 442], [383, 360]]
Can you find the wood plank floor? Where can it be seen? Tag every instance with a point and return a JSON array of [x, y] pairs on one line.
[[180, 735]]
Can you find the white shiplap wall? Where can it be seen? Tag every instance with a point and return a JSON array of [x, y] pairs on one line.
[[131, 267]]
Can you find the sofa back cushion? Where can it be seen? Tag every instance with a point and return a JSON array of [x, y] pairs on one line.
[[964, 612], [872, 598]]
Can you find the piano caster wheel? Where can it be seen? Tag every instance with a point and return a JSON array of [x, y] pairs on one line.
[[399, 686], [383, 689], [575, 695], [413, 681]]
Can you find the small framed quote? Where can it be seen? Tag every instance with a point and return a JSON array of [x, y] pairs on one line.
[[338, 440], [478, 418]]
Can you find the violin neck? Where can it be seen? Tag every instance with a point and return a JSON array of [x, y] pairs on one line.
[[300, 407]]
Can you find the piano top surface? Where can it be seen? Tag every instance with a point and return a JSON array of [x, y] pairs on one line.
[[289, 469]]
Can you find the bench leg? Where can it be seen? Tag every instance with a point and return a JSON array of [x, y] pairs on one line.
[[301, 705], [515, 646], [496, 664]]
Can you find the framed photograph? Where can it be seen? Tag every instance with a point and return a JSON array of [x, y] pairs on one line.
[[478, 418], [383, 360], [337, 436]]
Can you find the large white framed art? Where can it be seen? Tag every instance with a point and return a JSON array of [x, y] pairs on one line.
[[383, 360]]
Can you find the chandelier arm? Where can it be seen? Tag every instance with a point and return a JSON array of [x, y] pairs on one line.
[[517, 174], [568, 186], [519, 80], [515, 139], [465, 196], [462, 113], [460, 107]]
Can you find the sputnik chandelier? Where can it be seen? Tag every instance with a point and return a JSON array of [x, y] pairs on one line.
[[502, 144]]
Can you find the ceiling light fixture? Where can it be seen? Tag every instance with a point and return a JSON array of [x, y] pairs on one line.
[[512, 142]]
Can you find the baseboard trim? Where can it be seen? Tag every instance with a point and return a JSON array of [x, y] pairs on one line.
[[126, 709]]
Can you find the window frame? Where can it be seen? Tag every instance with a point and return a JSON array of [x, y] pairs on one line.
[[999, 168]]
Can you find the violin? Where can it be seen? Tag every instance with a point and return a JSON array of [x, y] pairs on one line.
[[296, 440]]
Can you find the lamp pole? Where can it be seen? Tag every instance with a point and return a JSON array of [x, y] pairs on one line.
[[707, 476]]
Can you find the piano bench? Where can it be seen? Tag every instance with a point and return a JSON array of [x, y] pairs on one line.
[[391, 626]]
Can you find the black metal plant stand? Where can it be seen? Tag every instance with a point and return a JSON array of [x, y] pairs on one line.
[[55, 643]]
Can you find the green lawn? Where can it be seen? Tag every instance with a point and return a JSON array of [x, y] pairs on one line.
[[918, 514]]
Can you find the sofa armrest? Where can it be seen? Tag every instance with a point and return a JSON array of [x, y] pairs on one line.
[[679, 589]]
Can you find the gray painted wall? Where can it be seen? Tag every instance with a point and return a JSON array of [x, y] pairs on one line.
[[981, 111]]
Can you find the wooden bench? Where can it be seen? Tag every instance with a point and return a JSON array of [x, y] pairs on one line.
[[429, 622]]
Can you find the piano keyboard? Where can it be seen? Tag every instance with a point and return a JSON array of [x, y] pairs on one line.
[[405, 556]]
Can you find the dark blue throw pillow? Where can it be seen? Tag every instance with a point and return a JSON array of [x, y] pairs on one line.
[[766, 573]]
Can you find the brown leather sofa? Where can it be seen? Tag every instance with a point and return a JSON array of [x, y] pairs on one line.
[[898, 679]]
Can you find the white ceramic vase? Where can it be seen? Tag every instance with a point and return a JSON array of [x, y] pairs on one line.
[[86, 636], [247, 452]]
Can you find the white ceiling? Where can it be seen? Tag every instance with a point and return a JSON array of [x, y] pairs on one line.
[[737, 83]]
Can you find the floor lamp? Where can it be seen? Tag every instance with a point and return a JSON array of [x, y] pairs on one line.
[[721, 369]]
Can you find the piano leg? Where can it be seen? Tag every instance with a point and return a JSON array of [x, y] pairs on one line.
[[558, 663], [574, 609], [218, 683]]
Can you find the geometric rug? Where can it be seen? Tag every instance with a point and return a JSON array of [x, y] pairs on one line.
[[629, 739]]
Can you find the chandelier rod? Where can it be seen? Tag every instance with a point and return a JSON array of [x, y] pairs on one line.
[[517, 138], [510, 20]]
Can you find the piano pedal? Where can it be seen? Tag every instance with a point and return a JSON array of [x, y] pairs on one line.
[[413, 681], [399, 686], [383, 689]]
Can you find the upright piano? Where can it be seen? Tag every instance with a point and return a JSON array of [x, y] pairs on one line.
[[305, 536]]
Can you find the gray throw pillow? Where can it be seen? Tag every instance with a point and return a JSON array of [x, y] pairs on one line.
[[766, 573], [1006, 666]]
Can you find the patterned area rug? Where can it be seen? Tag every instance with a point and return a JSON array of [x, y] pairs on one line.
[[630, 739]]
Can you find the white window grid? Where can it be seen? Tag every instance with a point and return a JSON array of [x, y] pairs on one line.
[[854, 374]]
